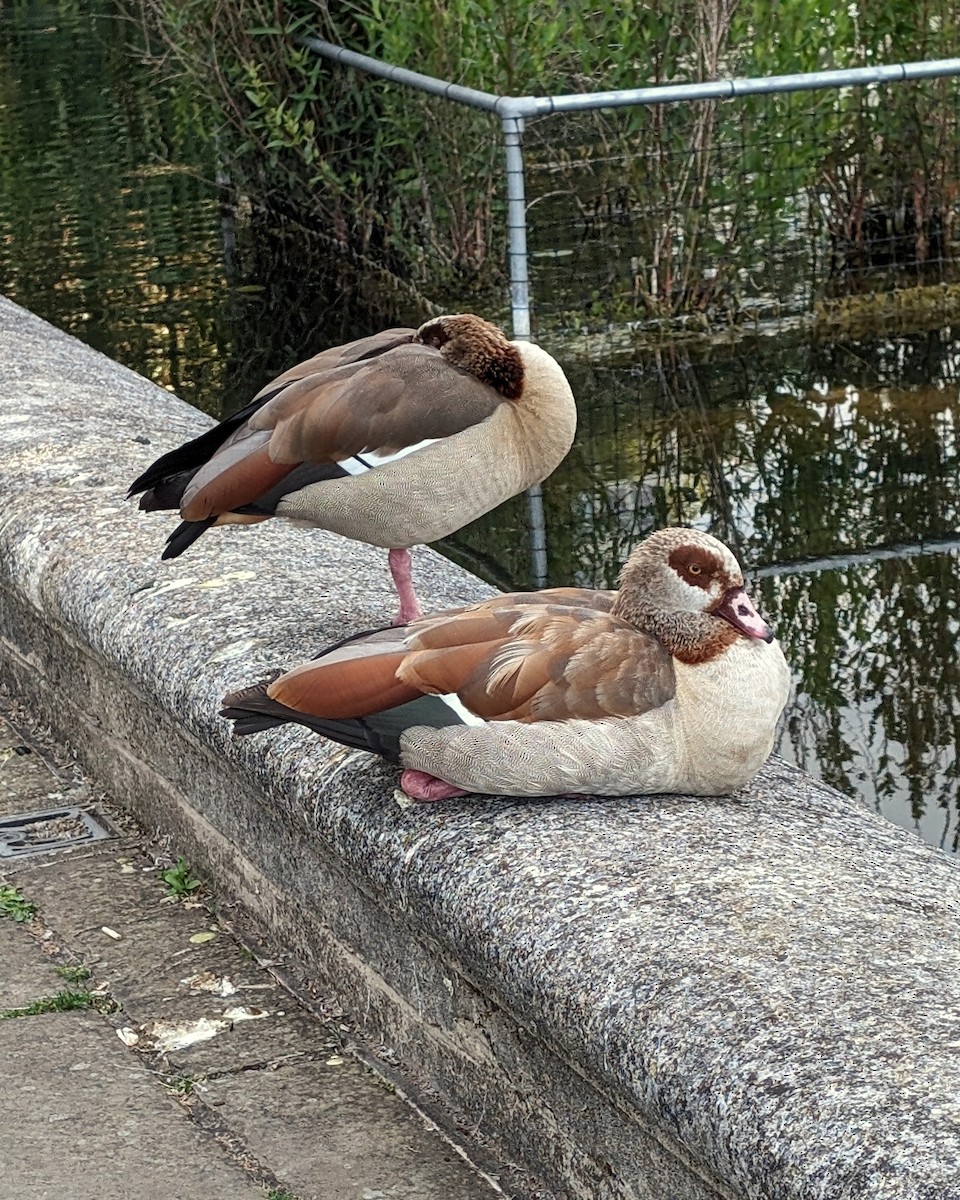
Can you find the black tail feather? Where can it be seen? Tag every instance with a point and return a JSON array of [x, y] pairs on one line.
[[244, 723], [166, 494], [252, 711], [185, 534], [256, 694], [190, 457]]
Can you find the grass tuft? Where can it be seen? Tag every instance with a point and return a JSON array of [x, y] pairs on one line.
[[65, 1001]]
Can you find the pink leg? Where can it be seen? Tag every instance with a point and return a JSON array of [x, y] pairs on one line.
[[401, 568], [421, 786]]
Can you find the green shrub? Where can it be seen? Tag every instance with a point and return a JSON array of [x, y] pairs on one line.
[[414, 184]]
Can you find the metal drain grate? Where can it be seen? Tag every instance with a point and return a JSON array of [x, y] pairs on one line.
[[54, 829]]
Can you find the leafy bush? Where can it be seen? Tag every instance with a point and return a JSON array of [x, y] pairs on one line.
[[387, 173], [414, 184]]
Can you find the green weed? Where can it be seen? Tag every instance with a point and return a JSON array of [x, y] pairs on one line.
[[77, 974], [65, 1001], [13, 904], [183, 1085], [180, 880]]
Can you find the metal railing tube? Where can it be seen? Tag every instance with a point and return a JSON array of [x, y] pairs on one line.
[[520, 313]]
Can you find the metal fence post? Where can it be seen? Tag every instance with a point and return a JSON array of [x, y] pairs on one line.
[[520, 314], [517, 228]]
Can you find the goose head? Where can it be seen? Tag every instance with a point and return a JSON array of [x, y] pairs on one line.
[[686, 588], [475, 345]]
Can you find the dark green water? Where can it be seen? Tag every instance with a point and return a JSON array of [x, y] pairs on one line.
[[834, 470]]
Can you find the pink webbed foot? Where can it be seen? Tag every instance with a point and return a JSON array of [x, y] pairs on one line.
[[401, 568], [420, 786]]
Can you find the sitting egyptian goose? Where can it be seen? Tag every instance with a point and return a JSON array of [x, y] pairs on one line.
[[396, 439], [671, 684]]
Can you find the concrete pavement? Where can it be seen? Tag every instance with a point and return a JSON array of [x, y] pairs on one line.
[[180, 1066]]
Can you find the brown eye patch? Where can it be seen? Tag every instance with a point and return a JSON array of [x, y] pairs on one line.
[[694, 565]]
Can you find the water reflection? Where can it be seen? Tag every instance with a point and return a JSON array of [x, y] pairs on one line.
[[99, 233], [787, 450], [877, 713], [113, 228]]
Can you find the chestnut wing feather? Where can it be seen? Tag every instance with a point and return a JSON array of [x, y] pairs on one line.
[[532, 662], [527, 662]]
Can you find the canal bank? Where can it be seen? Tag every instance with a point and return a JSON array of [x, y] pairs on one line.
[[746, 996]]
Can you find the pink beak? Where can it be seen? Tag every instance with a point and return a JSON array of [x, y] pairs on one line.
[[737, 608]]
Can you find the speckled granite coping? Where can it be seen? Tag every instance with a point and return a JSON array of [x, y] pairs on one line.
[[657, 999]]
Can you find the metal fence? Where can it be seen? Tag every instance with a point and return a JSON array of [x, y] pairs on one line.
[[709, 204], [706, 210]]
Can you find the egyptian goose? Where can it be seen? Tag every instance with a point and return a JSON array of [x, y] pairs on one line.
[[671, 684], [396, 439]]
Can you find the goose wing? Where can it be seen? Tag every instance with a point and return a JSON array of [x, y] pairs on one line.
[[382, 403], [528, 662], [541, 662]]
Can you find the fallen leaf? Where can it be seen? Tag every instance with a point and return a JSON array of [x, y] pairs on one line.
[[199, 938], [243, 1013], [207, 981], [128, 1036], [171, 1035], [168, 1035]]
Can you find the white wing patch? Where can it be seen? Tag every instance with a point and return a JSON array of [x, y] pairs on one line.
[[455, 704], [359, 464]]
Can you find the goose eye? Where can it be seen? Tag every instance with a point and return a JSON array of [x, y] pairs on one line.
[[695, 569]]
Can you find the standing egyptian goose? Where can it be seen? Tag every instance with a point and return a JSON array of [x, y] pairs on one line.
[[396, 439], [671, 684]]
